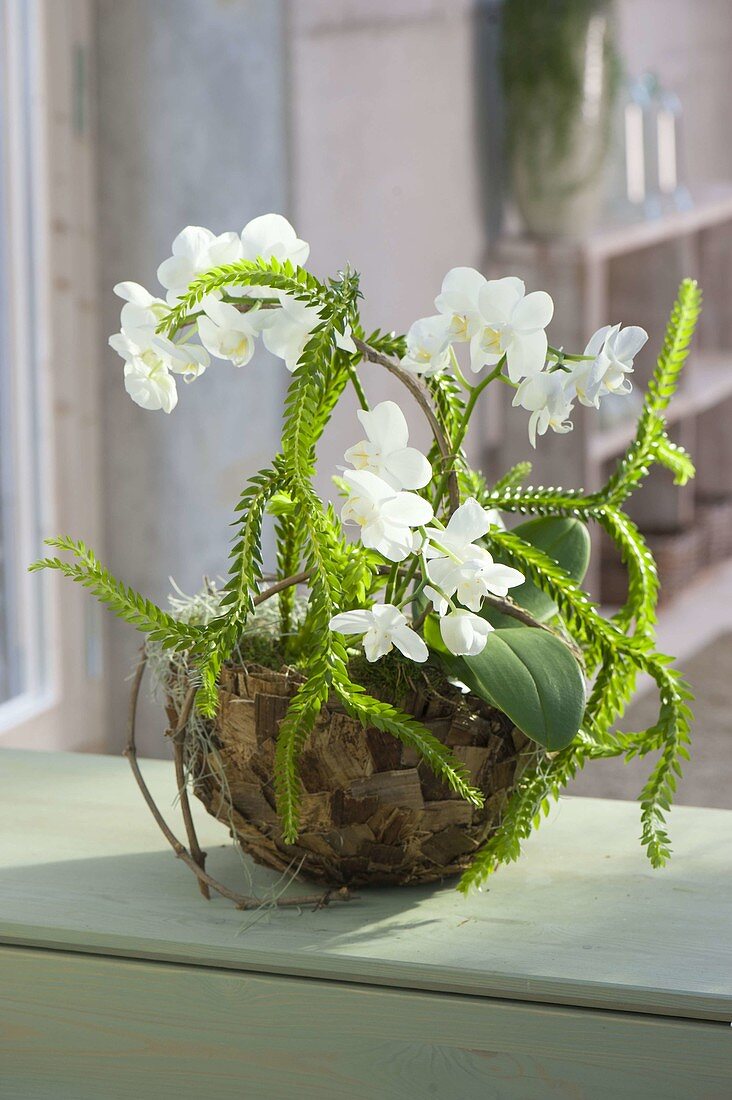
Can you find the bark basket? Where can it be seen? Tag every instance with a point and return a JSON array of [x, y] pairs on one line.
[[372, 812]]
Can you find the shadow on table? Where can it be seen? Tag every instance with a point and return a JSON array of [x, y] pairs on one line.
[[546, 911]]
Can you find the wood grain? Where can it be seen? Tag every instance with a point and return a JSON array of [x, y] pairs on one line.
[[74, 1028], [581, 920]]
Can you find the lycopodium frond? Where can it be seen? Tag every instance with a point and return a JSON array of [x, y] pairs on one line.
[[129, 605]]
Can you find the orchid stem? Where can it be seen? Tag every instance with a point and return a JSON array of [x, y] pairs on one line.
[[475, 392], [360, 392], [457, 372], [390, 590], [559, 354]]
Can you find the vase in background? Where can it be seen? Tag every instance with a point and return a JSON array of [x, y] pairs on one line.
[[560, 74]]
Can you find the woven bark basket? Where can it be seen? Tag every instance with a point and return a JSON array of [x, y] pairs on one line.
[[372, 813]]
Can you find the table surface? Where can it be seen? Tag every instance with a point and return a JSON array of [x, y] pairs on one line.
[[580, 920]]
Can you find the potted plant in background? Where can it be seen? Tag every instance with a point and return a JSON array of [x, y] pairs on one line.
[[560, 76], [397, 706]]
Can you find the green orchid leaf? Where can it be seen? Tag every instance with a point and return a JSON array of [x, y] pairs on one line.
[[432, 636], [564, 539], [531, 676]]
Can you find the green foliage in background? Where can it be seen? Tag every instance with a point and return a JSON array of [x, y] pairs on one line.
[[544, 44]]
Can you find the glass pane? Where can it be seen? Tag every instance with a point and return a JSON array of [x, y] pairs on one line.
[[8, 676], [21, 651]]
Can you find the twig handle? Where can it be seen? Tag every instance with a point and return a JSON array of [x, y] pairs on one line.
[[241, 901]]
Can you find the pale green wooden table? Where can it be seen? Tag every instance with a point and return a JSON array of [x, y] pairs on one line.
[[580, 973]]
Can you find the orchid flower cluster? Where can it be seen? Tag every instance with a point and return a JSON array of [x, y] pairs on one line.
[[500, 322], [436, 574], [496, 318], [224, 329], [393, 520]]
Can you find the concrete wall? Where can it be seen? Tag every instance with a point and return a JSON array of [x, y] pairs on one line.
[[192, 129], [386, 155]]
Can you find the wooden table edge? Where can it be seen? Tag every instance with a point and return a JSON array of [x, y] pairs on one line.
[[567, 993]]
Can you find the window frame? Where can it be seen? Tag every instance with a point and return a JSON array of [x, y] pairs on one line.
[[49, 221]]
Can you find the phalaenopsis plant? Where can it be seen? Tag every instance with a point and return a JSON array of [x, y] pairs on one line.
[[417, 556]]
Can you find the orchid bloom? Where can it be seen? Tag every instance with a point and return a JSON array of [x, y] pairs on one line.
[[141, 309], [546, 398], [190, 360], [428, 346], [270, 236], [512, 323], [456, 564], [464, 633], [584, 381], [139, 319], [386, 517], [290, 329], [458, 300], [383, 627], [471, 580], [385, 451], [196, 250], [228, 333], [614, 349], [148, 380]]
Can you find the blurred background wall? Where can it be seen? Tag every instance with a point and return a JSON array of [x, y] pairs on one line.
[[193, 106]]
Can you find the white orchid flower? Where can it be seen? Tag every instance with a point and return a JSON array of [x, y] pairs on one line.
[[512, 323], [464, 633], [386, 517], [385, 451], [196, 250], [140, 317], [584, 381], [150, 360], [150, 387], [614, 349], [228, 333], [471, 580], [383, 627], [467, 523], [458, 300], [546, 398], [457, 564], [270, 236], [428, 345], [141, 309], [148, 380], [289, 329], [190, 360]]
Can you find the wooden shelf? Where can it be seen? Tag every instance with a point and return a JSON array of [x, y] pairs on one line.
[[713, 207], [630, 272], [709, 382]]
